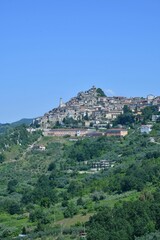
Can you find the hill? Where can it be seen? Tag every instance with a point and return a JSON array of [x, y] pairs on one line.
[[93, 108], [26, 121], [51, 186], [5, 127]]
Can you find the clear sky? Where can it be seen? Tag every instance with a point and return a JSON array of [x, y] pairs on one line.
[[56, 48]]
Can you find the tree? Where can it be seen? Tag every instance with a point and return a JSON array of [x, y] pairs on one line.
[[124, 119], [100, 93], [71, 210], [75, 188], [126, 109], [80, 202], [38, 215], [96, 196], [147, 113], [2, 158], [12, 185], [52, 166], [24, 231], [14, 209]]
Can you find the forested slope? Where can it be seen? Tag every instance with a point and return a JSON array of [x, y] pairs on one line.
[[52, 193]]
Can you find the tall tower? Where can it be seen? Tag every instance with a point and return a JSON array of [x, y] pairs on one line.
[[61, 103]]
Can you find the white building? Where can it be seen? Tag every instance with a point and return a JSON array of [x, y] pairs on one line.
[[155, 117], [146, 129], [150, 98]]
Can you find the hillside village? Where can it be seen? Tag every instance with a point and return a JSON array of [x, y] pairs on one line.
[[93, 108]]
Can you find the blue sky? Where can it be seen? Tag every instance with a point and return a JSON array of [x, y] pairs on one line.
[[56, 48]]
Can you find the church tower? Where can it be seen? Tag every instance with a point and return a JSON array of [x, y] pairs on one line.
[[61, 103]]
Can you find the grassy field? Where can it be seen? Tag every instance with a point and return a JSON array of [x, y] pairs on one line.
[[77, 219]]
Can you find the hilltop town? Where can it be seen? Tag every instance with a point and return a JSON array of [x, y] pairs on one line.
[[93, 108], [53, 176]]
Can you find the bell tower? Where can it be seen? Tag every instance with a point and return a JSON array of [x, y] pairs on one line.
[[61, 103]]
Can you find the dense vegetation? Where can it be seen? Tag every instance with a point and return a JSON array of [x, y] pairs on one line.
[[100, 92], [129, 118], [127, 220], [4, 128], [52, 193]]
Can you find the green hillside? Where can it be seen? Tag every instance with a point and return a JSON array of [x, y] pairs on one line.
[[7, 126], [48, 189], [26, 121]]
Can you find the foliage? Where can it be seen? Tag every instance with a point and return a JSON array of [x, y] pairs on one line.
[[10, 206], [4, 128], [12, 185], [52, 166], [14, 208], [127, 118], [2, 158], [47, 185], [97, 196], [126, 109], [71, 210], [70, 122], [147, 113], [88, 148], [43, 190], [100, 92], [38, 215], [150, 236], [80, 202], [18, 136], [125, 221]]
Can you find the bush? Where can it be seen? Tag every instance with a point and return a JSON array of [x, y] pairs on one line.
[[38, 215], [96, 196], [71, 210], [14, 209]]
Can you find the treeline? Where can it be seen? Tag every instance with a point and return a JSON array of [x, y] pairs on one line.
[[136, 176], [91, 148], [127, 220]]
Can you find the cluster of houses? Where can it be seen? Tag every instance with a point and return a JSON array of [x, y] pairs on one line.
[[91, 109]]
